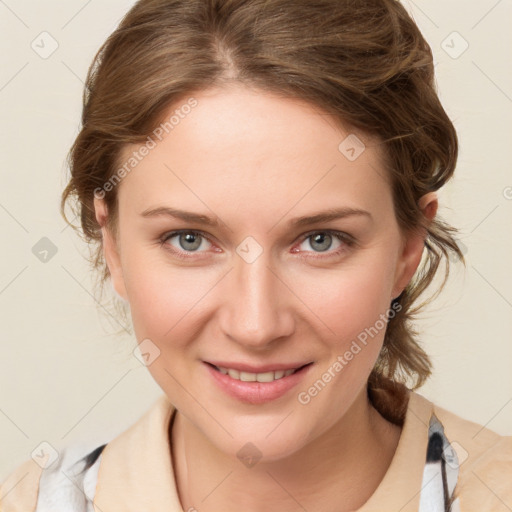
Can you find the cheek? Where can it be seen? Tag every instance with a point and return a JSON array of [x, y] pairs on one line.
[[350, 300], [353, 305], [163, 298]]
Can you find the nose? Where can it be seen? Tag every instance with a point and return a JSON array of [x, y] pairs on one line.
[[257, 306]]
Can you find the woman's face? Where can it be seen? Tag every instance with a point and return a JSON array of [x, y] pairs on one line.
[[249, 285]]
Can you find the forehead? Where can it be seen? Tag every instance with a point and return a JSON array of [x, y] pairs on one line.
[[252, 149]]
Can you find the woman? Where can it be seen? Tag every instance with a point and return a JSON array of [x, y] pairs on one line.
[[261, 179]]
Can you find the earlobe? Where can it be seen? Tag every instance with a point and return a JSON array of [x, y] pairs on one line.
[[110, 250], [413, 246]]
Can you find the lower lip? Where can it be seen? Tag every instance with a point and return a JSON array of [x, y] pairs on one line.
[[257, 392]]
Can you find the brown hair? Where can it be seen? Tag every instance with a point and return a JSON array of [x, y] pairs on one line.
[[363, 61]]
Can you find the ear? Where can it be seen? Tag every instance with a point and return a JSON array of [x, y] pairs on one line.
[[413, 246], [110, 249]]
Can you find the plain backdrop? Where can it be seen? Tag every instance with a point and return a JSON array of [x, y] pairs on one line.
[[64, 377]]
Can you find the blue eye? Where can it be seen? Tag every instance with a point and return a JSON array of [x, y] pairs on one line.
[[188, 241], [322, 242], [184, 243]]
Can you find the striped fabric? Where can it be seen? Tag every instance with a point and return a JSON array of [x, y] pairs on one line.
[[70, 485], [440, 473]]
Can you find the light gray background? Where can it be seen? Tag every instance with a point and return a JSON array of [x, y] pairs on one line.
[[64, 378]]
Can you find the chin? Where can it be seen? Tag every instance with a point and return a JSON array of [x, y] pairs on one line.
[[258, 445]]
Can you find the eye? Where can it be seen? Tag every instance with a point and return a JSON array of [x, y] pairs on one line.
[[325, 241], [185, 241]]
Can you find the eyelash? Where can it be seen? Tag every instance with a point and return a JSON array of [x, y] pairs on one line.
[[347, 240]]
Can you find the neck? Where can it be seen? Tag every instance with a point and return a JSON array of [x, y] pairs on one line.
[[339, 470]]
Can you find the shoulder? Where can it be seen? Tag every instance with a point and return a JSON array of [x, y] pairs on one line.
[[69, 478], [18, 492], [484, 461]]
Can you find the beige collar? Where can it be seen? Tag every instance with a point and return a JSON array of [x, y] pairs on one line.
[[136, 470]]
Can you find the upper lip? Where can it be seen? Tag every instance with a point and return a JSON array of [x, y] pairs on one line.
[[251, 368]]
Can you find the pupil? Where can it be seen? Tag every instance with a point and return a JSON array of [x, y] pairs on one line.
[[188, 238], [325, 238]]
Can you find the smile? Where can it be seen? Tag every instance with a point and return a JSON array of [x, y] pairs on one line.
[[257, 387], [256, 377]]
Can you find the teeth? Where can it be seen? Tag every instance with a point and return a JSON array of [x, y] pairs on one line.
[[255, 377], [265, 377], [234, 374], [248, 377]]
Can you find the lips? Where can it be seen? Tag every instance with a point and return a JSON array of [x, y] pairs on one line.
[[270, 367], [260, 386], [268, 376]]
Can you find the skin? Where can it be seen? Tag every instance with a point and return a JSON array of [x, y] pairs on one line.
[[254, 161]]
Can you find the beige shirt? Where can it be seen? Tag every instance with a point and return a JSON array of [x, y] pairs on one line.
[[136, 472]]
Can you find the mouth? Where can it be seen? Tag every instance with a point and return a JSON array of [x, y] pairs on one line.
[[257, 387], [267, 376]]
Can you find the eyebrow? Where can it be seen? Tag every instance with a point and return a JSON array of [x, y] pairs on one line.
[[180, 214], [323, 216]]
